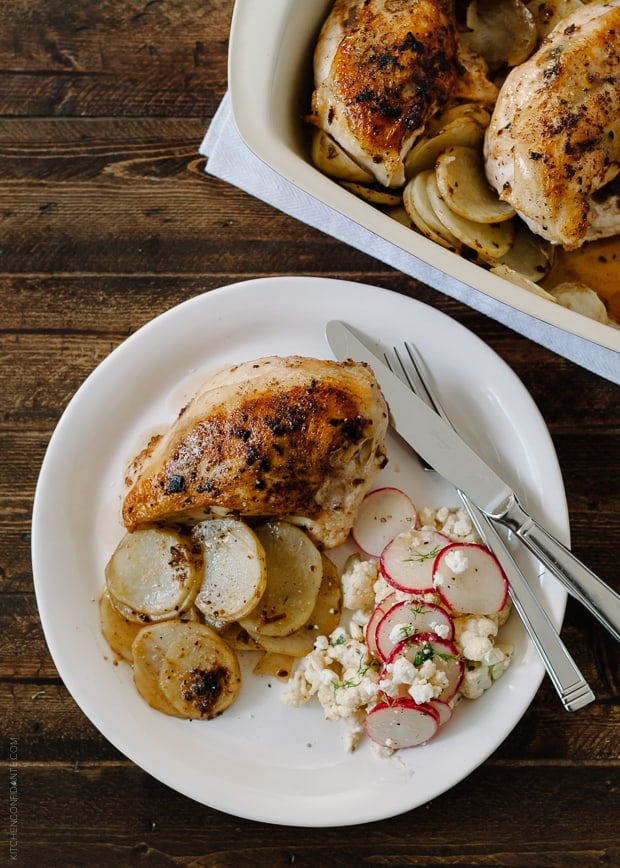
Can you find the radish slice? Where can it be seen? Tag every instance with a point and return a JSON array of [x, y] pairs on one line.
[[407, 561], [444, 654], [401, 723], [382, 515], [443, 709], [407, 617], [371, 627], [469, 579]]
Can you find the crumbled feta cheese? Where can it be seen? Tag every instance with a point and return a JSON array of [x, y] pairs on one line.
[[441, 630], [321, 643], [422, 682], [475, 681], [503, 659], [421, 693], [356, 630], [456, 561], [401, 671], [454, 522], [358, 579], [475, 636]]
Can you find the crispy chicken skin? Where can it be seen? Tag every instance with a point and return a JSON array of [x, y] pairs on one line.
[[382, 68], [293, 437], [554, 139]]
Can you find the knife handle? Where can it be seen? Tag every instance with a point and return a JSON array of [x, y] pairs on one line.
[[597, 597]]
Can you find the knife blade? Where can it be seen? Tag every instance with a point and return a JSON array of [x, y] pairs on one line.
[[443, 448]]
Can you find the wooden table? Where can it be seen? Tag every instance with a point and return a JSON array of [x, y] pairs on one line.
[[106, 220]]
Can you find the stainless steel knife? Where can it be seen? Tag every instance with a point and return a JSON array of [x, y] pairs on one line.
[[440, 445]]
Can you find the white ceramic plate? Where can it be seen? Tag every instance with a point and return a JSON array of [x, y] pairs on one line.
[[262, 760], [270, 80]]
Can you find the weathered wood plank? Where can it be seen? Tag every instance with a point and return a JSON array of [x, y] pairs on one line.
[[112, 58], [479, 822]]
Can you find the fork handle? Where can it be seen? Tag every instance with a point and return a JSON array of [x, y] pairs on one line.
[[564, 673], [597, 597]]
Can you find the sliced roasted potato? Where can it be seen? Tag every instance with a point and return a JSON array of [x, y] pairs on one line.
[[328, 156], [238, 638], [152, 574], [490, 241], [419, 209], [118, 631], [548, 15], [504, 32], [294, 575], [148, 651], [323, 620], [233, 572], [278, 666], [581, 298], [199, 675], [462, 130], [374, 195], [530, 255], [399, 214], [520, 280], [463, 185], [474, 110]]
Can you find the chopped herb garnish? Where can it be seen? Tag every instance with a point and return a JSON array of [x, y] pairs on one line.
[[420, 557]]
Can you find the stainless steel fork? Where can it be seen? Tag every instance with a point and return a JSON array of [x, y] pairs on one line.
[[568, 681]]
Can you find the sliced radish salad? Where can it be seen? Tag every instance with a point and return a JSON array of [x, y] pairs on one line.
[[428, 600]]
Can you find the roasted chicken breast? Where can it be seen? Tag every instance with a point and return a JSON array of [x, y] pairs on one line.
[[553, 146], [293, 437], [382, 68]]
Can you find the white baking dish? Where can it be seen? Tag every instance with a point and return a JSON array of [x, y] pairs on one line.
[[270, 80]]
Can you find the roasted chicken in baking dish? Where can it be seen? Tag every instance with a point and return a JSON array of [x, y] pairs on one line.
[[382, 67], [554, 139], [293, 437]]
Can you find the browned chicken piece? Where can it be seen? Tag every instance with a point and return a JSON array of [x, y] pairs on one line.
[[382, 68], [554, 140], [293, 437]]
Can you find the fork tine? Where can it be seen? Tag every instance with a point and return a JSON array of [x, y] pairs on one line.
[[568, 681], [424, 378]]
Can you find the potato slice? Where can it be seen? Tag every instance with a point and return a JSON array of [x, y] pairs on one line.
[[148, 652], [294, 575], [323, 620], [373, 195], [530, 255], [548, 15], [152, 574], [399, 214], [199, 675], [581, 298], [328, 156], [490, 241], [418, 206], [119, 632], [463, 130], [278, 666], [233, 573], [463, 185], [238, 638], [474, 110], [504, 32], [520, 280]]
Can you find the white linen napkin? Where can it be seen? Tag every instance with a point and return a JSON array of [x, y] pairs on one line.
[[229, 159]]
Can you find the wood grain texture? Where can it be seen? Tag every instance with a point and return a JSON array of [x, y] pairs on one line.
[[108, 219]]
